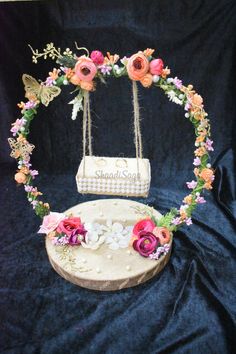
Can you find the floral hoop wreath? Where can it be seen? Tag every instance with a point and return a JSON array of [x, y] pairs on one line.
[[149, 234]]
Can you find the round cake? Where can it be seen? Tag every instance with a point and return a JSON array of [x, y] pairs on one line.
[[114, 264]]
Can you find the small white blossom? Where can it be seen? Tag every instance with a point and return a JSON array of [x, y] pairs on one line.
[[117, 236], [93, 238]]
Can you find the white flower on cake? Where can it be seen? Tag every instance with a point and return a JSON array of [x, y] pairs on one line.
[[93, 238], [117, 236]]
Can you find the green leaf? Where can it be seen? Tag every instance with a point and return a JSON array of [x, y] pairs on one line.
[[67, 61]]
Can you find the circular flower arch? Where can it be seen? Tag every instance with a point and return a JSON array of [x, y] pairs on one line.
[[83, 72]]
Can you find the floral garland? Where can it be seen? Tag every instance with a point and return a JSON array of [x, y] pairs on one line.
[[150, 234]]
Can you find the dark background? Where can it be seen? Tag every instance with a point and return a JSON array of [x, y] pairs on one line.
[[190, 307]]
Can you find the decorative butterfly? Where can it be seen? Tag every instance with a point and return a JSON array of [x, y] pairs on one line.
[[20, 148], [45, 93]]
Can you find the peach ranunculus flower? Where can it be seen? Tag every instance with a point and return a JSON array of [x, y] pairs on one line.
[[163, 234], [85, 68], [207, 175], [87, 85], [20, 177], [51, 222], [137, 66], [146, 81]]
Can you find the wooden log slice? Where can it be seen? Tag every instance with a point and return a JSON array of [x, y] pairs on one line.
[[105, 269]]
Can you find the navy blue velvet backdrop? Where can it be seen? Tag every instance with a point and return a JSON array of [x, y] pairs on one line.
[[190, 307]]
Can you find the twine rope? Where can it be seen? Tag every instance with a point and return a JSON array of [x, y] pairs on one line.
[[86, 124], [137, 129], [87, 127]]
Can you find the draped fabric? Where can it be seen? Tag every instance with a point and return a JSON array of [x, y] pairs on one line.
[[190, 307]]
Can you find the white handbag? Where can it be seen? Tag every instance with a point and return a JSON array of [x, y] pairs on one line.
[[113, 175]]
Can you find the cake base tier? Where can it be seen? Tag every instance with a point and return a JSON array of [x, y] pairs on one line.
[[105, 269]]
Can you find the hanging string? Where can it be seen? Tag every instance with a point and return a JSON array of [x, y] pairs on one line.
[[89, 127], [137, 130]]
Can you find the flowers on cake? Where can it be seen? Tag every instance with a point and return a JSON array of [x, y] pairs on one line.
[[148, 238], [116, 235], [94, 237], [50, 222], [146, 243], [62, 229]]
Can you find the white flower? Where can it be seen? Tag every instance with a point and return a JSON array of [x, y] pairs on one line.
[[124, 61], [172, 97], [93, 237], [171, 94], [117, 236]]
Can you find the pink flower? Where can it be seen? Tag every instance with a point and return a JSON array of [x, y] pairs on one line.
[[163, 234], [30, 104], [146, 243], [77, 238], [208, 145], [146, 225], [176, 221], [199, 199], [105, 69], [85, 69], [71, 226], [28, 188], [34, 203], [188, 221], [177, 82], [97, 57], [197, 161], [50, 222], [34, 173], [192, 184], [187, 106], [19, 123], [156, 66]]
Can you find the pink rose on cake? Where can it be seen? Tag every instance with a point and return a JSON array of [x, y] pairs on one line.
[[146, 243], [70, 226], [143, 225], [85, 69], [50, 222]]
